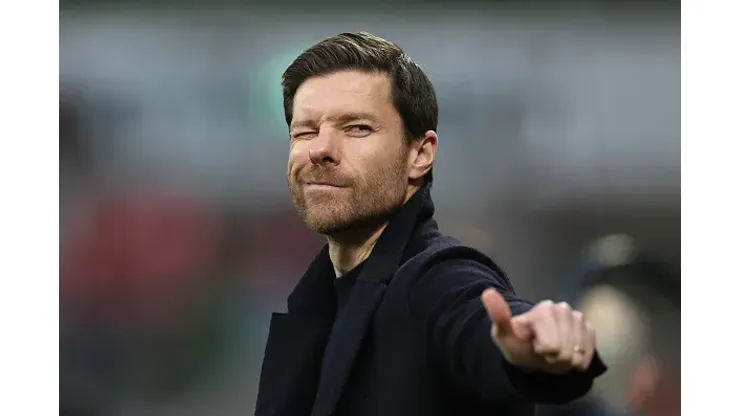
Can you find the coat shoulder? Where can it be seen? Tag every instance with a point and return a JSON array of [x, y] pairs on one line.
[[444, 250]]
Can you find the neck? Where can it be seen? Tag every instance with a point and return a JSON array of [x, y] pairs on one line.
[[348, 250]]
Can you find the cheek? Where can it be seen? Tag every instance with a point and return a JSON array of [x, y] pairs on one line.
[[392, 160], [295, 160], [376, 154]]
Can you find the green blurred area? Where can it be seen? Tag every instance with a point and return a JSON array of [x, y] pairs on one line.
[[345, 4]]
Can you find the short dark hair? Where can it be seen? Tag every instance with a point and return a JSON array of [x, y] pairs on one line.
[[412, 90]]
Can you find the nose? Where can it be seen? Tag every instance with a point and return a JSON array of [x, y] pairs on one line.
[[324, 150]]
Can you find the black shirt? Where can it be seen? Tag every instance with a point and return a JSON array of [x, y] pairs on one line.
[[343, 286]]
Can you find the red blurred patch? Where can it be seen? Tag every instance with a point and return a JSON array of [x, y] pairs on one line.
[[139, 257]]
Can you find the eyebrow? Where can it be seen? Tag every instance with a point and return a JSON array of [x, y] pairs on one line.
[[340, 119], [349, 117]]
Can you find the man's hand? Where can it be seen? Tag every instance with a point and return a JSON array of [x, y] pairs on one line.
[[552, 338]]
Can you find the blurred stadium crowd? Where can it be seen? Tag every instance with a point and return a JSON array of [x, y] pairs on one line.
[[559, 125]]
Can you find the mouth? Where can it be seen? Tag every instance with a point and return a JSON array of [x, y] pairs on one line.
[[322, 185]]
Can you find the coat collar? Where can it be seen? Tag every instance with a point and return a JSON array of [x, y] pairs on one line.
[[315, 289], [356, 319]]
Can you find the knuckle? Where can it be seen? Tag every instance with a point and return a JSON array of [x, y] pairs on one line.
[[545, 348], [542, 308], [578, 316], [562, 310], [547, 303], [547, 308]]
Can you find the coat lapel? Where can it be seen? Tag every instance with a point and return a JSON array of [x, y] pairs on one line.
[[296, 342], [367, 294]]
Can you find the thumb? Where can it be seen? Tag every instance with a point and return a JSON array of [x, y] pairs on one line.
[[498, 311]]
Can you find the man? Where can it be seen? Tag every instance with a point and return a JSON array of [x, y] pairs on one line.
[[393, 318]]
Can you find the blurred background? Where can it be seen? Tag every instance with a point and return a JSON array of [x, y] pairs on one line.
[[559, 124]]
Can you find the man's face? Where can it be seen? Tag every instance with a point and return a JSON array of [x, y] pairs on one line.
[[348, 164]]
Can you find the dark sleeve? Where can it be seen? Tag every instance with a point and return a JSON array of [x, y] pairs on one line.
[[447, 302]]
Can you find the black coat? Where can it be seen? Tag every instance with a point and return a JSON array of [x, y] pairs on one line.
[[413, 339]]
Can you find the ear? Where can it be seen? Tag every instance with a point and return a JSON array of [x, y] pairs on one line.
[[421, 156]]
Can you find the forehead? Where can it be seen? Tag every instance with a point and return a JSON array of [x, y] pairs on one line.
[[342, 92]]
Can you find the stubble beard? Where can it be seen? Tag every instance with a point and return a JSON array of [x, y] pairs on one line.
[[367, 203]]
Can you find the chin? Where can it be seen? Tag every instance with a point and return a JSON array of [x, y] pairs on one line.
[[325, 222], [328, 228]]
